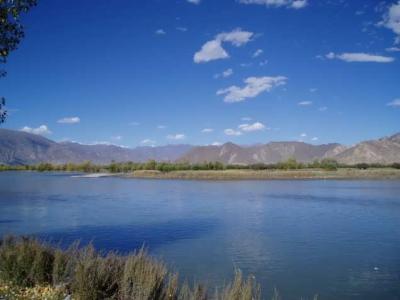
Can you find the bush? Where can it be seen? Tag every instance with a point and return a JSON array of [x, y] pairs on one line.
[[241, 289], [396, 165], [96, 277], [30, 269], [143, 277], [329, 164], [290, 164], [25, 262], [362, 166]]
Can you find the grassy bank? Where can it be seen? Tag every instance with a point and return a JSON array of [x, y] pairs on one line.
[[238, 174], [289, 169], [30, 269]]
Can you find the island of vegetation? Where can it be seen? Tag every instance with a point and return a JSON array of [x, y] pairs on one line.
[[289, 169]]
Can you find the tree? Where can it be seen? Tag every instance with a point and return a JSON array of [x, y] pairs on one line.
[[329, 164], [11, 34]]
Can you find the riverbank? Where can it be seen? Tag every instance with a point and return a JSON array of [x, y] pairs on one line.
[[341, 173]]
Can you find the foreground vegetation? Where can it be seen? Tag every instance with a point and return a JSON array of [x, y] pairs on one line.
[[30, 269]]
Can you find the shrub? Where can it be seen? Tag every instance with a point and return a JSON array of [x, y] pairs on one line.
[[241, 289], [30, 269], [329, 164], [25, 262], [396, 165], [290, 164], [96, 277], [143, 277], [362, 166]]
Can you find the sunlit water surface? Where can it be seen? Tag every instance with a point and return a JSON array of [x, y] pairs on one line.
[[339, 239]]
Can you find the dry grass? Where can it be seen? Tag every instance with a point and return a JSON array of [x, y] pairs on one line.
[[30, 269], [342, 173]]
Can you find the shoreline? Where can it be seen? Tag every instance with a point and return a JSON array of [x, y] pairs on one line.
[[316, 174], [244, 174]]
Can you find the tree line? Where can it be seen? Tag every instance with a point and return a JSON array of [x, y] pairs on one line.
[[126, 167]]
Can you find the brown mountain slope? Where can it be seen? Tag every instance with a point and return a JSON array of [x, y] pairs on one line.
[[269, 153], [18, 148], [385, 151]]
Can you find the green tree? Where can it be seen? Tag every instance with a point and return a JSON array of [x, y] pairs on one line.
[[11, 34], [150, 165], [329, 164]]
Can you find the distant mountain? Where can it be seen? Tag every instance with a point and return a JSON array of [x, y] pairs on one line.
[[385, 150], [18, 148], [268, 153]]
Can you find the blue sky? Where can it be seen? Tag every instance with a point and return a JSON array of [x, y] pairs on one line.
[[157, 72]]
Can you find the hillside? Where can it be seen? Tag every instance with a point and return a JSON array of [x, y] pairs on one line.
[[18, 148], [384, 150], [268, 153]]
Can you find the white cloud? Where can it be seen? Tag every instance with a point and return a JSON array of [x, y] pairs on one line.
[[263, 63], [253, 87], [104, 143], [394, 103], [216, 144], [99, 143], [303, 134], [323, 108], [183, 29], [236, 37], [258, 52], [246, 119], [69, 120], [160, 32], [299, 4], [330, 55], [224, 74], [213, 50], [391, 20], [41, 130], [393, 49], [314, 139], [207, 130], [232, 132], [244, 128], [117, 137], [360, 57], [148, 142], [296, 4], [246, 65], [257, 126], [134, 123], [161, 127], [178, 136], [305, 103], [313, 90], [194, 1]]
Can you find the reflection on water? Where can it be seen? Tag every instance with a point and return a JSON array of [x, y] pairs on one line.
[[340, 239]]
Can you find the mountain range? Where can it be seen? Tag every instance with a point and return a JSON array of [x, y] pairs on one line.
[[18, 148]]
